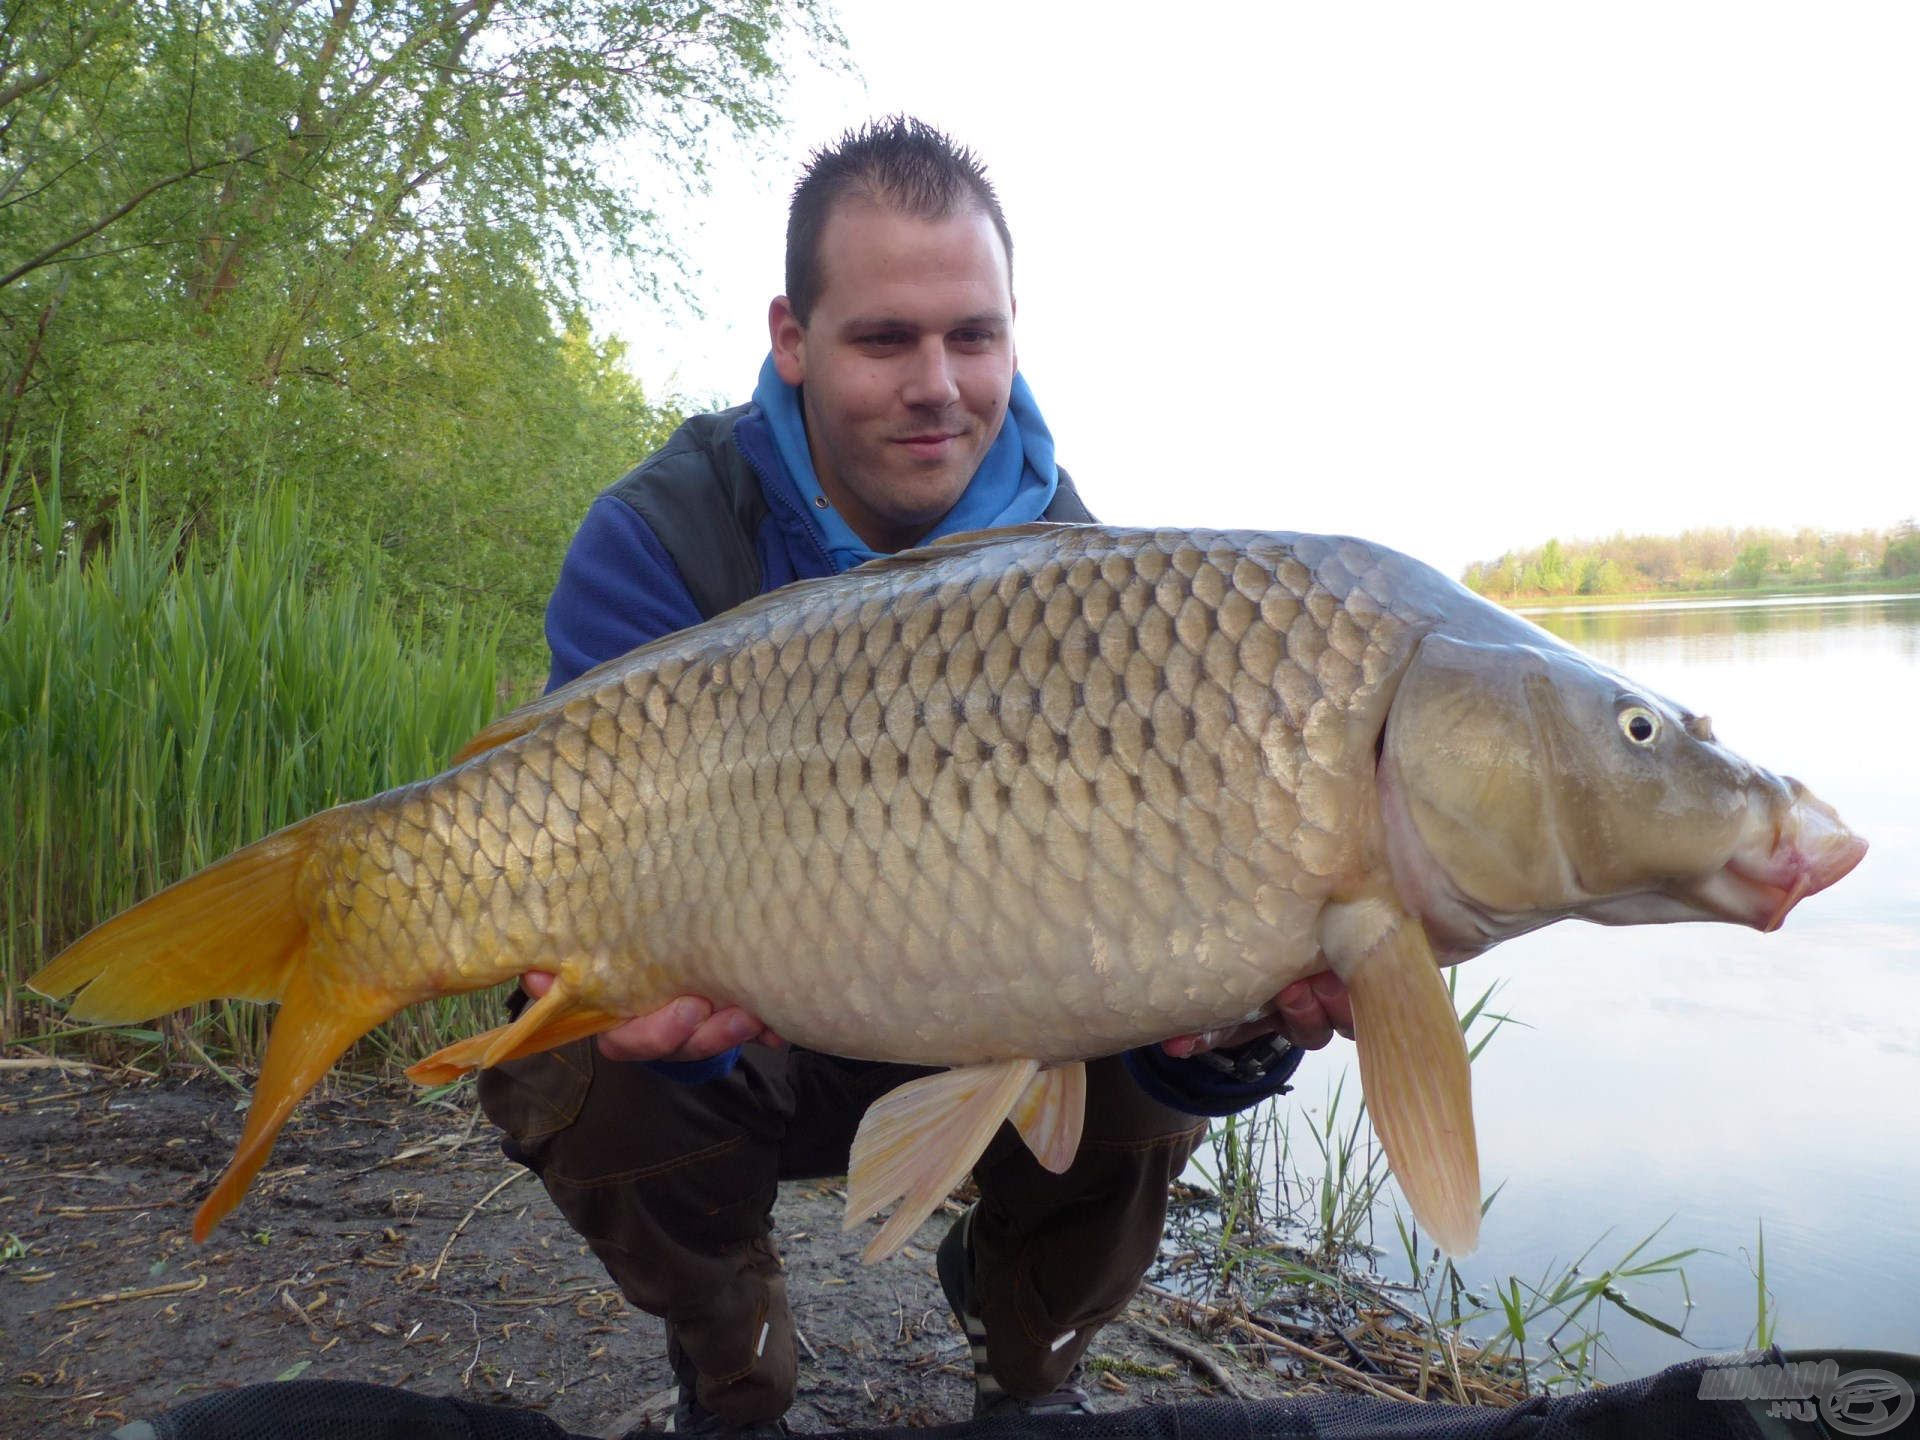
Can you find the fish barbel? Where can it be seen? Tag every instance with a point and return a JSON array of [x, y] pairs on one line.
[[1003, 804]]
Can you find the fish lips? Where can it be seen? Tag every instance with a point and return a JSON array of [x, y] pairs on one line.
[[1811, 849]]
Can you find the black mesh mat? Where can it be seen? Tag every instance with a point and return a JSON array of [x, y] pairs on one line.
[[1665, 1404], [339, 1410]]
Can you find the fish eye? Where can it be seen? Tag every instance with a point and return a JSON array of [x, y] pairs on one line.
[[1639, 724]]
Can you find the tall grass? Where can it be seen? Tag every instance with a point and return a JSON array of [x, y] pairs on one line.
[[162, 704]]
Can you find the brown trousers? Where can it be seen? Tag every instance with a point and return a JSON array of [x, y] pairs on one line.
[[673, 1187]]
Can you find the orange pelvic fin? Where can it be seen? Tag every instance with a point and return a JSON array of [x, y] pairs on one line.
[[550, 1021], [1049, 1113]]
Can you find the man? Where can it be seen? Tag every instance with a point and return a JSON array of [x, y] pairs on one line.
[[889, 413]]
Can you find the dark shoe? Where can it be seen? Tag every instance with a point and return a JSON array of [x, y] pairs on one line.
[[692, 1418], [954, 1262]]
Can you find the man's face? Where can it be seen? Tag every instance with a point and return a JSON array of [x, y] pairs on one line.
[[906, 364]]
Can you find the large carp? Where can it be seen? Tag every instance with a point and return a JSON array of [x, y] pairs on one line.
[[1003, 804]]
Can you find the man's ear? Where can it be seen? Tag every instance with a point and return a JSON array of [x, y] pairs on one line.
[[789, 339]]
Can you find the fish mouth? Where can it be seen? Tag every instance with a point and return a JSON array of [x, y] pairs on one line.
[[1809, 850]]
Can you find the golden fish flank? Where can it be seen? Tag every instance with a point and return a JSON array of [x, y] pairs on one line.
[[943, 792], [1005, 804]]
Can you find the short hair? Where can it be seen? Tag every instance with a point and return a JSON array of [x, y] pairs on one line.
[[900, 163]]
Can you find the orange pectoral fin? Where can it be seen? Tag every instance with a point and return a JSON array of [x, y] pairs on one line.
[[1415, 1071], [548, 1022]]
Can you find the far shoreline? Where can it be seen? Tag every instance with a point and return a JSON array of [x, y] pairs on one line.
[[1757, 595]]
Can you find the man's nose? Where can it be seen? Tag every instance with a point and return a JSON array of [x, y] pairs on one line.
[[929, 381]]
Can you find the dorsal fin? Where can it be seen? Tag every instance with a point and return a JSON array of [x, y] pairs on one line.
[[947, 546], [510, 726], [516, 723], [1006, 532]]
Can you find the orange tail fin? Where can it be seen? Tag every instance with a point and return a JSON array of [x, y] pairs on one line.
[[314, 1026], [233, 931], [230, 932]]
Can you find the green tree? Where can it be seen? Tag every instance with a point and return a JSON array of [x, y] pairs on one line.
[[1901, 559], [1550, 570], [1599, 575], [342, 243], [1752, 565]]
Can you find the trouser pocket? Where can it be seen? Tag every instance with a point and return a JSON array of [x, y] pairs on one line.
[[536, 1098]]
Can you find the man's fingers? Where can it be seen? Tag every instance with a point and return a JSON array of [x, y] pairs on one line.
[[721, 1032], [663, 1035], [688, 1028], [1303, 1017], [1334, 1000]]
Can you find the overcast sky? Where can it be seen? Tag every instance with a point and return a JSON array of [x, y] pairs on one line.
[[1454, 277]]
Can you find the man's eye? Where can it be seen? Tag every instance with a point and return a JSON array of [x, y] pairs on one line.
[[883, 338], [973, 337]]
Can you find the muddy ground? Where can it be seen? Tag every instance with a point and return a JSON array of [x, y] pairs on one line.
[[388, 1241]]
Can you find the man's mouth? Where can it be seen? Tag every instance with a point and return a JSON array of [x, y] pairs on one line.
[[933, 445]]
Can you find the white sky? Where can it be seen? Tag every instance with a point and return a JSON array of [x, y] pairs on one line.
[[1454, 277]]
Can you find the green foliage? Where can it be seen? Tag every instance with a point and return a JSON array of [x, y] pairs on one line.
[[341, 246], [1564, 1312], [1694, 560], [1752, 565], [1600, 575], [161, 706], [1901, 558], [1549, 572]]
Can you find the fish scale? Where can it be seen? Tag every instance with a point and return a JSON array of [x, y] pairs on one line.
[[1004, 803], [932, 795]]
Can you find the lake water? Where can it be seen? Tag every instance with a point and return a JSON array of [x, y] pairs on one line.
[[1712, 1074]]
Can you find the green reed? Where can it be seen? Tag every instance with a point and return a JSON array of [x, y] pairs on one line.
[[1326, 1197], [163, 703], [1766, 1313]]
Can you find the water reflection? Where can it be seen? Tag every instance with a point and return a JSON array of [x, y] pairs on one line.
[[1712, 630]]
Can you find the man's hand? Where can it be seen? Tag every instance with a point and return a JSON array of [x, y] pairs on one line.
[[1307, 1013], [688, 1028]]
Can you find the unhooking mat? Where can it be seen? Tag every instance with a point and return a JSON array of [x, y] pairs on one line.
[[1803, 1395]]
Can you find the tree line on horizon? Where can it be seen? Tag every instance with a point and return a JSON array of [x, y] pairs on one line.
[[341, 248], [1703, 559]]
